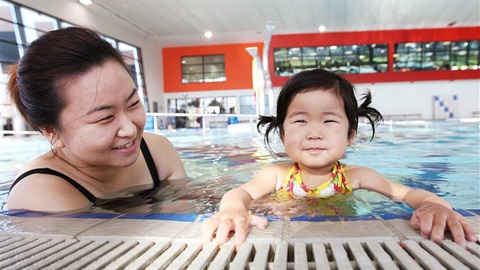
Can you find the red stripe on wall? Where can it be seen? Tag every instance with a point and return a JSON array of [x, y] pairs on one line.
[[238, 62]]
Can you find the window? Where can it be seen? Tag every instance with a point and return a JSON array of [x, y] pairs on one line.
[[198, 105], [206, 68], [370, 58], [133, 58], [20, 26], [443, 55]]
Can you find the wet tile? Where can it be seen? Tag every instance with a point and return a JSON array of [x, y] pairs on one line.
[[45, 226], [403, 226], [139, 229], [360, 230]]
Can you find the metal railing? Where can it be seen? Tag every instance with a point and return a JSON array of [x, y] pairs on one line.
[[159, 121]]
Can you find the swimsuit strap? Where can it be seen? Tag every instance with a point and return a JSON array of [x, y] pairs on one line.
[[80, 188], [150, 163], [85, 192], [338, 180]]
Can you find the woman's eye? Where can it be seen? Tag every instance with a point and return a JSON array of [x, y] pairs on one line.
[[330, 121], [134, 104], [300, 121], [105, 118]]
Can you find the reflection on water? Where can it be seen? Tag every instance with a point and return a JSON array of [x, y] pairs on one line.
[[441, 157]]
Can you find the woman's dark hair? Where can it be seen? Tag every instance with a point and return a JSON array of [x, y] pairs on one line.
[[320, 79], [50, 62]]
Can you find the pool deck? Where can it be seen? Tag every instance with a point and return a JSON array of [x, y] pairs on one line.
[[173, 241]]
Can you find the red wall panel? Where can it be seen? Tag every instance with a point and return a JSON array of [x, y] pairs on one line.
[[238, 67], [388, 36]]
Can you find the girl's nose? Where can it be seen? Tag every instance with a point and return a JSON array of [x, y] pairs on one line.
[[315, 135]]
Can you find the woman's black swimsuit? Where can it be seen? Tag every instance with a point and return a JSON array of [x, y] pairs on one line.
[[85, 192]]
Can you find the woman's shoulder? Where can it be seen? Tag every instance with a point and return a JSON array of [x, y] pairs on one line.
[[154, 138], [44, 189], [165, 156]]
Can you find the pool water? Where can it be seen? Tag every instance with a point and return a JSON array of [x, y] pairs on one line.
[[439, 156]]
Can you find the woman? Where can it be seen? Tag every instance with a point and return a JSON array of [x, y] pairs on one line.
[[75, 88]]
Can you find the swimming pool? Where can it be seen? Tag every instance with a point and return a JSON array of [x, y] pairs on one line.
[[439, 156], [363, 231]]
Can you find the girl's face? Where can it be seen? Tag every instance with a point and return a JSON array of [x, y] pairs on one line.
[[103, 122], [316, 129]]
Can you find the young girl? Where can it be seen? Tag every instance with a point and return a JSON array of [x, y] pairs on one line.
[[317, 119]]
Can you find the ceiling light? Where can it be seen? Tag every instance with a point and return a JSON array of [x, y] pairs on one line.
[[208, 34], [322, 28], [86, 2]]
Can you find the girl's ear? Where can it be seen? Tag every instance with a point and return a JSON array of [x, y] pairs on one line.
[[352, 138], [53, 137]]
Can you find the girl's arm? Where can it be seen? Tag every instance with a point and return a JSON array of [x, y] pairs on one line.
[[233, 211], [433, 215]]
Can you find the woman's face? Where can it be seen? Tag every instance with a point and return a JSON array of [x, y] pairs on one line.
[[102, 123], [316, 129]]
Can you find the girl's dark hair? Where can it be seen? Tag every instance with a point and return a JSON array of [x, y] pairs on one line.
[[50, 62], [320, 79]]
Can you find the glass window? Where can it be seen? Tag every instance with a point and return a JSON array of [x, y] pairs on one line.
[[36, 24], [133, 59], [368, 58], [206, 68], [7, 12], [444, 55], [248, 105], [17, 33]]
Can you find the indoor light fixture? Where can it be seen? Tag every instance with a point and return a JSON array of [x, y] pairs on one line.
[[208, 34], [85, 2], [322, 28]]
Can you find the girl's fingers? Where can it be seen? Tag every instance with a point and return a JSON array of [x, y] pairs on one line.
[[209, 226]]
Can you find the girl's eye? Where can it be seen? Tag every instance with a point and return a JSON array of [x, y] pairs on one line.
[[330, 121], [300, 121]]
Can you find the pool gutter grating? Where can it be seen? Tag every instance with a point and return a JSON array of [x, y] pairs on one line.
[[45, 253]]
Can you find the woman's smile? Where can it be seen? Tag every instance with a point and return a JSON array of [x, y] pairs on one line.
[[126, 147]]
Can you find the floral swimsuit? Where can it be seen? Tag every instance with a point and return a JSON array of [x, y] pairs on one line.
[[293, 184]]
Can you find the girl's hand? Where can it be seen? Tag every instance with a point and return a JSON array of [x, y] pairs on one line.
[[221, 224], [433, 219]]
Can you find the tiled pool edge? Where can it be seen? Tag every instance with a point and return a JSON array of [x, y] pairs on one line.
[[187, 227], [97, 241]]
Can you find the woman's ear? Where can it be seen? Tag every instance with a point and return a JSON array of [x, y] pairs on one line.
[[52, 137]]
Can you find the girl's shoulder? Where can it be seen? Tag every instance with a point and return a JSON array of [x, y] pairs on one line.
[[276, 171], [280, 167], [359, 175]]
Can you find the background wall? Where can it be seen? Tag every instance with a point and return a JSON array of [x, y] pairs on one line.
[[417, 97], [410, 95]]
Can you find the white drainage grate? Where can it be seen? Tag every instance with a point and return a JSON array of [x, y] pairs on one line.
[[43, 253]]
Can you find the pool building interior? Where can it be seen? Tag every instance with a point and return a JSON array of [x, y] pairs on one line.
[[423, 89]]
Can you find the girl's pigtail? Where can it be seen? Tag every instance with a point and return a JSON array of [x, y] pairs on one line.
[[364, 110], [271, 124]]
